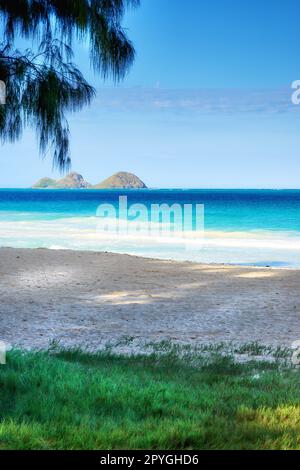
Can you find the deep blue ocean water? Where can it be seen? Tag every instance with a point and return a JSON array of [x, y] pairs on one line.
[[260, 227]]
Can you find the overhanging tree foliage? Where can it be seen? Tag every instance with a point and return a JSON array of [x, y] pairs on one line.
[[42, 83]]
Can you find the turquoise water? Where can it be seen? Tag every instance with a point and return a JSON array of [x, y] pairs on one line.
[[260, 227]]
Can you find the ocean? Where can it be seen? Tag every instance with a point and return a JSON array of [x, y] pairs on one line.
[[246, 227]]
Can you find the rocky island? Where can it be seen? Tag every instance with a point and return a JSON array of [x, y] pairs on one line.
[[120, 180], [44, 183], [71, 181]]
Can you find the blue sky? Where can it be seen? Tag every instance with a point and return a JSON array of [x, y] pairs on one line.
[[206, 104]]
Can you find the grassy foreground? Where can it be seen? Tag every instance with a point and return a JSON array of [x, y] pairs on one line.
[[73, 400]]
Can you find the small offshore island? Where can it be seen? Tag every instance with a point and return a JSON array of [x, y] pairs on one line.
[[120, 180]]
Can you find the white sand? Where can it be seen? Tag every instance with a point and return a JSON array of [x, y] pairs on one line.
[[87, 299]]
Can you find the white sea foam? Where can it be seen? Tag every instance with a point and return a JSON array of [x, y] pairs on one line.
[[216, 246]]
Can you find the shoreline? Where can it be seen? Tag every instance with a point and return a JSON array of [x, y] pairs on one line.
[[162, 259], [89, 299]]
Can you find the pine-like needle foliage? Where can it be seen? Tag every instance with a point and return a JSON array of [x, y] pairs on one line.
[[42, 83]]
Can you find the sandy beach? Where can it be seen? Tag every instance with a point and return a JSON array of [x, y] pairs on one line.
[[87, 299]]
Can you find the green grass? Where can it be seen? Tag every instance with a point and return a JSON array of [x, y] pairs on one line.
[[204, 400]]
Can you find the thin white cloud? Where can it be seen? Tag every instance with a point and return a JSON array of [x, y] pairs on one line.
[[196, 100]]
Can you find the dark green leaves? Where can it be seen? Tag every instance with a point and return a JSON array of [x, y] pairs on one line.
[[42, 83]]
